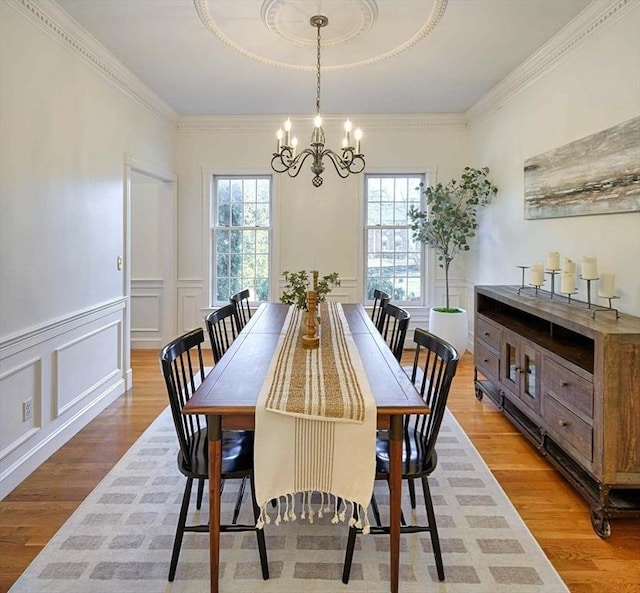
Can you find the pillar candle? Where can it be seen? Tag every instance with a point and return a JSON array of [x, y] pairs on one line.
[[553, 260], [567, 283], [537, 275], [606, 289], [569, 266], [589, 268]]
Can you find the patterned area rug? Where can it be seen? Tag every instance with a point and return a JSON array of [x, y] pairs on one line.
[[119, 540]]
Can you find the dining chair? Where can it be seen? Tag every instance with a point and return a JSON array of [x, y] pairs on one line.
[[434, 366], [243, 311], [394, 322], [183, 369], [222, 327], [380, 299]]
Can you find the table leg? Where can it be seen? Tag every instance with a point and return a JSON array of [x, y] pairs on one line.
[[395, 487], [214, 432]]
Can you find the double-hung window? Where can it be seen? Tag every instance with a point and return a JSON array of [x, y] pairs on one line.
[[393, 260], [241, 222]]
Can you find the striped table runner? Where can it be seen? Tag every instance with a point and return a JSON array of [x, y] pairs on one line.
[[315, 425]]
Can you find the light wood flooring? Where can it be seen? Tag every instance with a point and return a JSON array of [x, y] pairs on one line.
[[556, 515]]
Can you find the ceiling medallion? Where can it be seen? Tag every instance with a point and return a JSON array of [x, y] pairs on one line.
[[287, 19], [350, 19]]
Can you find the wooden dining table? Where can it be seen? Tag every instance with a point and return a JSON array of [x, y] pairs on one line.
[[229, 393]]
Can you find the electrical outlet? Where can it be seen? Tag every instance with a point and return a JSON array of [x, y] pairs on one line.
[[27, 409]]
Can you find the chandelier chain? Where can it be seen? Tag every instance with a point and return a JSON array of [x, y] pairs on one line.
[[318, 73]]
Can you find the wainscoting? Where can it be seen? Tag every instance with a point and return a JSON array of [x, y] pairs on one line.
[[54, 379]]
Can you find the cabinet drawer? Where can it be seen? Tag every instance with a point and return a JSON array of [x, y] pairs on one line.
[[567, 387], [488, 333], [564, 424], [486, 361]]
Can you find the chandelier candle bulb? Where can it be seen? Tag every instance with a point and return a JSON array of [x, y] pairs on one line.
[[567, 283], [606, 288], [589, 268], [287, 132], [569, 266], [553, 260], [358, 138], [279, 137]]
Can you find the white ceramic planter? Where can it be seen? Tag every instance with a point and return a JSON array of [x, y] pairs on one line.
[[452, 327]]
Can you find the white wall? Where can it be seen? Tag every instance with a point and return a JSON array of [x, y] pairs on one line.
[[66, 128], [595, 87], [321, 226]]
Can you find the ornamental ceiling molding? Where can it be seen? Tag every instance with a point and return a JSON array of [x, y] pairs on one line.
[[568, 40], [54, 21], [436, 121], [437, 12]]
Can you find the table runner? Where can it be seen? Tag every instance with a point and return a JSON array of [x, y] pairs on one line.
[[315, 426]]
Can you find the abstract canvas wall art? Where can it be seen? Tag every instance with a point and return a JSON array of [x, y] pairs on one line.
[[599, 174]]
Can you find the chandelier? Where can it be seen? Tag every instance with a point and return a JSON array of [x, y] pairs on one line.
[[286, 159]]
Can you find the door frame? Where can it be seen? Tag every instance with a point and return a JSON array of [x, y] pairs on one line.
[[169, 198]]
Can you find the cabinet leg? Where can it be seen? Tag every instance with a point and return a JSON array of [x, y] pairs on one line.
[[601, 524]]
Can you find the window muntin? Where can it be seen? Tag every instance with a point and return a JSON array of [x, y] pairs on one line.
[[394, 261], [241, 237]]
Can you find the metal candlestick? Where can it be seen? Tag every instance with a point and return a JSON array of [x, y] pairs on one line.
[[522, 286], [552, 273]]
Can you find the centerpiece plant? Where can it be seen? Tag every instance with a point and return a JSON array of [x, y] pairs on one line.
[[450, 219], [299, 283]]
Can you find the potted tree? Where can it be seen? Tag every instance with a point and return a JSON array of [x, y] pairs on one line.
[[447, 226]]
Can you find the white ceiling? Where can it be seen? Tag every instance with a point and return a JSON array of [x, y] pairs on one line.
[[244, 57]]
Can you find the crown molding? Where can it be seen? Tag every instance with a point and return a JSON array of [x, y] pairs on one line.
[[437, 121], [54, 21], [568, 40]]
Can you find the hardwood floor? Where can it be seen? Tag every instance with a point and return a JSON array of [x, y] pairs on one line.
[[556, 515]]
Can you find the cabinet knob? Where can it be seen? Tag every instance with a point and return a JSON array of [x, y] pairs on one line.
[[563, 423], [485, 360], [564, 384], [485, 333]]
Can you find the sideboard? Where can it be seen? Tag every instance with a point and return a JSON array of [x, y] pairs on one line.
[[569, 379]]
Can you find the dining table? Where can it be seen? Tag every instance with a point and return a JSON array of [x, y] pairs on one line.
[[229, 393]]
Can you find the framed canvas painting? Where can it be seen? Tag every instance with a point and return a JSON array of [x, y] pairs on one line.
[[599, 174]]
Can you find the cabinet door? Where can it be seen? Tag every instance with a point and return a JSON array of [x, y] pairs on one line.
[[510, 369], [529, 372]]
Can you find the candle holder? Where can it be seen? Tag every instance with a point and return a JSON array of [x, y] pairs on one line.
[[588, 281], [552, 273], [531, 285], [604, 309], [311, 340], [569, 295]]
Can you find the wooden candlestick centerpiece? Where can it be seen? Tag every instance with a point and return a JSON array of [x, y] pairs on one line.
[[311, 340]]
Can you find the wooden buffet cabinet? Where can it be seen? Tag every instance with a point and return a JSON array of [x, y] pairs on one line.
[[569, 379]]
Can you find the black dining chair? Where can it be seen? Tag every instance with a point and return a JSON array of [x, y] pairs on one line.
[[222, 327], [243, 310], [434, 366], [394, 322], [380, 299], [183, 369]]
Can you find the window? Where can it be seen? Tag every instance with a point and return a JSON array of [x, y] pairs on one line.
[[393, 258], [241, 237]]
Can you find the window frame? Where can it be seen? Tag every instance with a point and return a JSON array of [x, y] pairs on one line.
[[211, 227], [425, 255]]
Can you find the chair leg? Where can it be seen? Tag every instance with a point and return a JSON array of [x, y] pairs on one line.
[[412, 493], [236, 510], [200, 493], [262, 546], [433, 529], [182, 519], [376, 510], [348, 555]]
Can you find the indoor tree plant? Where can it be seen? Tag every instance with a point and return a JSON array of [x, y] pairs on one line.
[[447, 226], [299, 283]]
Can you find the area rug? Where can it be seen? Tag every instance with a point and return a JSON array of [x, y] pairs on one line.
[[120, 538]]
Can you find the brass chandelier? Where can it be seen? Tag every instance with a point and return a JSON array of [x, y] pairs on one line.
[[286, 159]]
